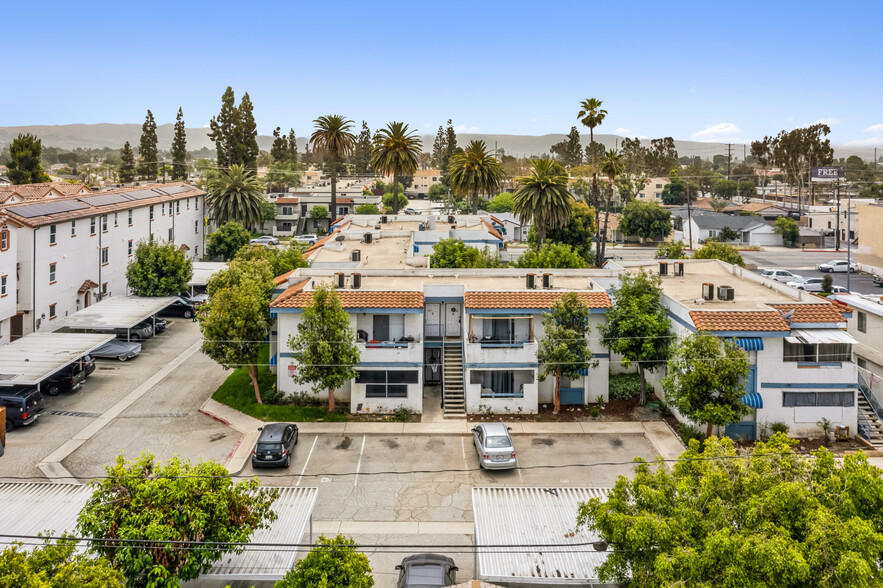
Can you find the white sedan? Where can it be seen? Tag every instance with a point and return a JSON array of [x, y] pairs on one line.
[[808, 284], [837, 265], [781, 275]]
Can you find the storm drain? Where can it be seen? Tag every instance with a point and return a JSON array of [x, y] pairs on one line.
[[154, 415], [73, 413]]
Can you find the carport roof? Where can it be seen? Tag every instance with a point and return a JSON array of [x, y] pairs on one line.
[[37, 356], [114, 312], [540, 517], [203, 270]]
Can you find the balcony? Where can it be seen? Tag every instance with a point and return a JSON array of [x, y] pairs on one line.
[[390, 352]]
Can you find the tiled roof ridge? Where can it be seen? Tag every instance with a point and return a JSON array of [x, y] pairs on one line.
[[739, 320], [290, 291], [492, 230], [292, 298], [321, 242], [530, 298]]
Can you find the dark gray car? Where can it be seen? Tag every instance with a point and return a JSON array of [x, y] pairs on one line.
[[427, 570], [274, 445]]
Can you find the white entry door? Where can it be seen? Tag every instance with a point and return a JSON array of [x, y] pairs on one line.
[[452, 320], [432, 319]]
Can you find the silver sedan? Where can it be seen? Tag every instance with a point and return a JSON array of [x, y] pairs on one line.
[[494, 446]]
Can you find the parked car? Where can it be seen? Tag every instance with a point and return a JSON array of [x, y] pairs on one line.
[[780, 275], [265, 240], [24, 405], [87, 363], [839, 290], [157, 324], [139, 332], [808, 284], [878, 280], [494, 446], [274, 445], [116, 349], [427, 570], [179, 307], [837, 265], [196, 300], [67, 379], [410, 210], [308, 239]]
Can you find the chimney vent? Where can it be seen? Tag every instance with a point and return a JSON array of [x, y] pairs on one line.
[[357, 281], [357, 255], [679, 268], [531, 281], [340, 280], [663, 268], [547, 281], [708, 291]]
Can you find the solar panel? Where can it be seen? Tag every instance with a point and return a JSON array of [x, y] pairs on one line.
[[174, 189], [140, 194], [44, 208], [105, 199]]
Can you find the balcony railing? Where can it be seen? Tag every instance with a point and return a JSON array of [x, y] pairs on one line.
[[433, 330]]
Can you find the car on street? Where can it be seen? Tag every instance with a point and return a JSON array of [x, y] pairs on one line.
[[67, 379], [494, 446], [780, 275], [307, 239], [878, 280], [427, 570], [839, 290], [274, 445], [24, 405], [410, 210], [179, 307], [808, 284], [837, 265], [116, 349], [265, 240]]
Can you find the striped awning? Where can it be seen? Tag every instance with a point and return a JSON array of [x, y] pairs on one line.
[[753, 399], [750, 343]]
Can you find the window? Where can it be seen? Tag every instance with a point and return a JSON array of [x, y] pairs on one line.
[[104, 256], [196, 226], [287, 210], [196, 251], [92, 225], [861, 362], [196, 203], [151, 212], [163, 208], [130, 217], [104, 289], [862, 322], [73, 228], [659, 186], [3, 285], [52, 231], [130, 248], [178, 207], [387, 384], [316, 224], [812, 353], [4, 240], [116, 219], [818, 399], [52, 314], [104, 223], [171, 235], [51, 273], [188, 204]]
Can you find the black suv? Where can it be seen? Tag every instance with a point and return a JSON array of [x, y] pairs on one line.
[[274, 445], [67, 379], [24, 404], [427, 570], [179, 307]]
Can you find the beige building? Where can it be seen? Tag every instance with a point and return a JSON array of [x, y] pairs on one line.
[[870, 237]]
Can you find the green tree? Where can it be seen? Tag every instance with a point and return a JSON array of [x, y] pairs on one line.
[[788, 228], [236, 195], [191, 506], [542, 198], [318, 212], [334, 140], [450, 149], [223, 129], [246, 149], [551, 255], [396, 151], [671, 250], [148, 152], [24, 165], [325, 344], [367, 208], [612, 165], [454, 253], [332, 563], [389, 206], [158, 269], [279, 148], [706, 380], [502, 202], [362, 152], [281, 176], [727, 234], [437, 192], [638, 325], [127, 164], [279, 260], [726, 516], [661, 157], [762, 153], [227, 240], [726, 189], [474, 173], [564, 348], [797, 151], [179, 149], [747, 190], [569, 151], [578, 232], [592, 115], [56, 565], [722, 251], [675, 192], [646, 220], [292, 147], [439, 147]]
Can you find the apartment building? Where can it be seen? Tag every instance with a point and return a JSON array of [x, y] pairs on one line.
[[8, 279], [12, 194], [294, 210], [424, 179], [73, 251]]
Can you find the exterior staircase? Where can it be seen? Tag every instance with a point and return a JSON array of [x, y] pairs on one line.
[[452, 384], [869, 415]]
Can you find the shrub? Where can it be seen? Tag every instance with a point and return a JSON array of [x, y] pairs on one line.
[[779, 427], [624, 386], [403, 414], [827, 283], [687, 432]]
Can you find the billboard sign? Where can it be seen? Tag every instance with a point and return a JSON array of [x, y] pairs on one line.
[[827, 174]]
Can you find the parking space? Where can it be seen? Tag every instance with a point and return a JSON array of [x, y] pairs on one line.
[[858, 282]]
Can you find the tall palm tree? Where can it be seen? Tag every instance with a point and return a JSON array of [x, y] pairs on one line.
[[396, 151], [591, 115], [612, 165], [236, 195], [543, 198], [332, 138], [474, 172]]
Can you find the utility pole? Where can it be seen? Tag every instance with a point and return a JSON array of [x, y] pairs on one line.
[[729, 154], [837, 221], [689, 215], [848, 236]]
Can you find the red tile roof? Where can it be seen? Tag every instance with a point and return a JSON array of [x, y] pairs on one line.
[[812, 313], [490, 229], [295, 297], [732, 320], [325, 239], [531, 299], [287, 200]]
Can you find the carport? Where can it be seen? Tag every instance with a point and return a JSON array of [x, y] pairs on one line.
[[123, 312], [537, 526], [32, 508], [202, 273], [35, 357]]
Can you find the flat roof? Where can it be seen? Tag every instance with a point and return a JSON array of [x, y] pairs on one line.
[[536, 518], [867, 302], [203, 270], [35, 357], [115, 312]]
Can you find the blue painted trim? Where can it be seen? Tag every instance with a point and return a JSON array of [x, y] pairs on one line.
[[819, 364], [276, 311], [818, 325], [682, 322], [513, 395], [597, 311], [443, 299], [810, 386], [519, 345], [528, 313], [513, 366], [762, 334], [601, 355], [286, 354], [432, 344], [389, 364]]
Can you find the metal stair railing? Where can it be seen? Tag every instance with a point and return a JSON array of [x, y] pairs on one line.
[[868, 395]]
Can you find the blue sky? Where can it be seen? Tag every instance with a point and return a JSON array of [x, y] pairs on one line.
[[692, 70]]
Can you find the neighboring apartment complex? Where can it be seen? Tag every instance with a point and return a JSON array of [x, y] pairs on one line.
[[294, 210], [70, 252], [870, 237]]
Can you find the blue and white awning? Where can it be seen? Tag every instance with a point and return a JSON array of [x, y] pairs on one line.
[[750, 343], [753, 399]]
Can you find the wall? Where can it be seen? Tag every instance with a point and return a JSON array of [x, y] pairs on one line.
[[870, 237], [525, 380], [8, 306]]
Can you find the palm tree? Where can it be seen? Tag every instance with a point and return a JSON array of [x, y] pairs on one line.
[[396, 151], [543, 198], [236, 195], [332, 138], [474, 172], [612, 165], [591, 115]]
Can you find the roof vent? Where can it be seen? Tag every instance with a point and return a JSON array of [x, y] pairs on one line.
[[679, 268], [531, 281], [384, 219], [547, 281], [369, 237], [357, 255], [708, 291], [340, 280], [726, 293], [663, 268], [357, 281]]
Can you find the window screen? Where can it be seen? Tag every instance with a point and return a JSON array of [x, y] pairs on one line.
[[387, 384], [818, 399]]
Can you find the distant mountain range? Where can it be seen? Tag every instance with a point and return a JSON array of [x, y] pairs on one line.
[[114, 135]]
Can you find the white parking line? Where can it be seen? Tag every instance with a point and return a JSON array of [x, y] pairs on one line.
[[301, 477], [359, 466], [463, 448]]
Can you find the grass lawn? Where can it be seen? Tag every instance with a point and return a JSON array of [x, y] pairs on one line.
[[237, 392]]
